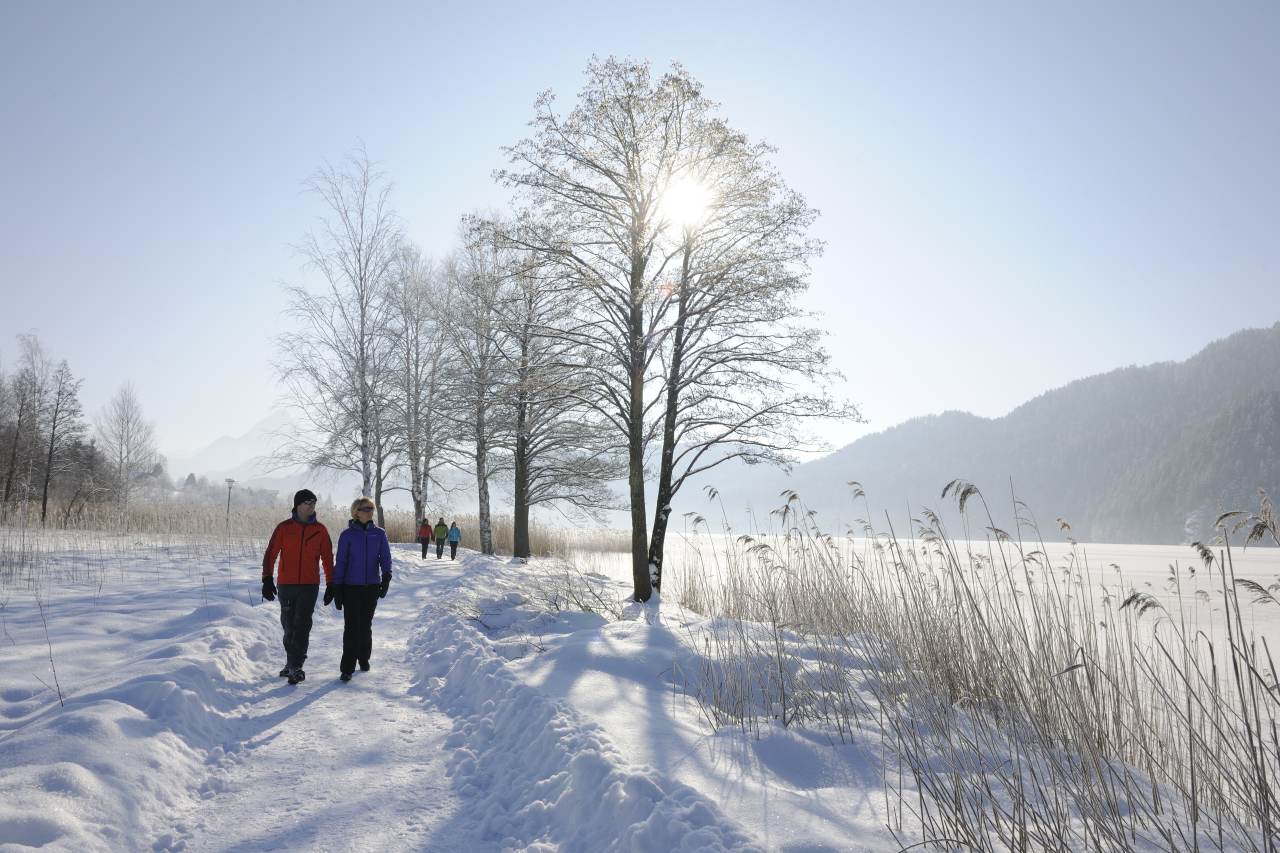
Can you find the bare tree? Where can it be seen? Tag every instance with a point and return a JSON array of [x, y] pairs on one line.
[[64, 428], [744, 366], [28, 389], [336, 369], [475, 388], [591, 184], [8, 418], [85, 482], [562, 453], [421, 356], [127, 441], [11, 411]]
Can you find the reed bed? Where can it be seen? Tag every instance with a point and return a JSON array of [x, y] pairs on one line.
[[36, 559], [30, 555], [1020, 711]]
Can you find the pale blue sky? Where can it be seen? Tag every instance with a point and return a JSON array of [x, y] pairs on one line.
[[1014, 195]]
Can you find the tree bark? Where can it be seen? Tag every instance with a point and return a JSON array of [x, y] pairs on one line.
[[641, 581], [415, 482], [377, 494], [48, 462], [520, 523], [666, 466], [482, 482], [366, 452], [13, 450]]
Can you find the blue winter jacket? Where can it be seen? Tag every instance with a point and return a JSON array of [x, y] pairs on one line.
[[363, 549], [455, 535]]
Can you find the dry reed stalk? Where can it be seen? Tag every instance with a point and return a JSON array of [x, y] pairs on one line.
[[1025, 714]]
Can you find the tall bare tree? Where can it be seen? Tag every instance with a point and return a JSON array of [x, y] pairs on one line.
[[562, 453], [422, 361], [28, 389], [745, 368], [64, 428], [590, 183], [476, 399], [8, 413], [127, 441], [337, 367]]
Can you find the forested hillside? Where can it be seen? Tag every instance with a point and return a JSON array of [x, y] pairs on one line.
[[1141, 454]]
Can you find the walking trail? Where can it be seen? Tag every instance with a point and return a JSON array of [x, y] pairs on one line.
[[334, 766]]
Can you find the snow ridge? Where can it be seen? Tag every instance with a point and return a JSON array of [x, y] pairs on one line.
[[546, 779], [124, 756]]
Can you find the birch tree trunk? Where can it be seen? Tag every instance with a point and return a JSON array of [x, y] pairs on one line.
[[482, 482]]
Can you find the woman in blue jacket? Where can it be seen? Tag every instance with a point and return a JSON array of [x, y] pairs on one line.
[[455, 536], [361, 575]]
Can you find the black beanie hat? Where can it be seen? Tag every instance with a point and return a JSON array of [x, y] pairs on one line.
[[303, 495]]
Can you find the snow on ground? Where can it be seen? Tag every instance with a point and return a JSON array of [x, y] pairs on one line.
[[794, 790], [177, 734], [496, 717]]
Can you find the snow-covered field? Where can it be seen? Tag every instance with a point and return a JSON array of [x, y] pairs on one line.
[[487, 722], [497, 715]]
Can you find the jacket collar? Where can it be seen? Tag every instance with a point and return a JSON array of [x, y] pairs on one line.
[[311, 519]]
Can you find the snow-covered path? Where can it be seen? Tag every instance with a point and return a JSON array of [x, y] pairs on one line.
[[334, 766], [177, 734]]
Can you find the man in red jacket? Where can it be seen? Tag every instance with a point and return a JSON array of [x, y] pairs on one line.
[[302, 545]]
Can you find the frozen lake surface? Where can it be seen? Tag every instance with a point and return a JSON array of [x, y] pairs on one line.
[[1174, 574]]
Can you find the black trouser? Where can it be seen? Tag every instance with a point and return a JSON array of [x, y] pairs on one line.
[[297, 602], [439, 548], [358, 604], [426, 543], [453, 549]]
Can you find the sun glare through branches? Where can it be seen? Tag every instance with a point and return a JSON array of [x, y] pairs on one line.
[[686, 203]]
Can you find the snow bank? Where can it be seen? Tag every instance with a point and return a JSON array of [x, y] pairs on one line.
[[546, 778], [137, 739]]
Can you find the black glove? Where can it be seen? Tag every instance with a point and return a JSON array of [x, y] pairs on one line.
[[339, 593], [328, 594], [382, 591], [268, 589]]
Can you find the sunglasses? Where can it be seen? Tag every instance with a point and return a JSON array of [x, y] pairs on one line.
[[364, 509], [307, 503]]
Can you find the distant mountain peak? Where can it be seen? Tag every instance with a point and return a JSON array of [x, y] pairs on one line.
[[236, 456]]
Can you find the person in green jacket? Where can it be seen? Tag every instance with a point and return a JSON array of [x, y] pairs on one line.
[[441, 531]]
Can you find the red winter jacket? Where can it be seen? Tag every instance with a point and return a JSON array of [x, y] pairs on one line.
[[302, 548]]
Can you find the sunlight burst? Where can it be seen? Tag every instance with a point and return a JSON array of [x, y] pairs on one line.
[[686, 202]]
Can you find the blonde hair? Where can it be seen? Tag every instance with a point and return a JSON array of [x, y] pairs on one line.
[[361, 501]]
